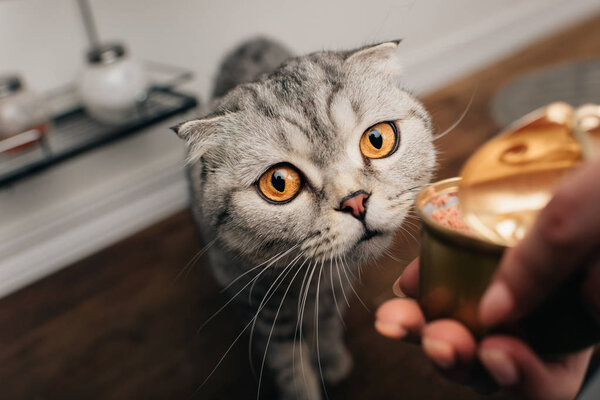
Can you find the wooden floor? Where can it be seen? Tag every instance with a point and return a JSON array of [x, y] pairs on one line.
[[122, 325]]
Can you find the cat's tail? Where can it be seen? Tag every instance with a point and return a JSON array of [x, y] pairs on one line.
[[247, 62]]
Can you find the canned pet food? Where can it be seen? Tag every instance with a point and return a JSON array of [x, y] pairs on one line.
[[456, 266]]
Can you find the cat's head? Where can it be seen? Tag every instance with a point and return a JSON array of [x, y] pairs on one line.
[[321, 156]]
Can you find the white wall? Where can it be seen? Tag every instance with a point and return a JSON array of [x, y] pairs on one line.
[[58, 216], [45, 40]]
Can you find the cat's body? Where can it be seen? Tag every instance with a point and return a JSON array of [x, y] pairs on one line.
[[289, 263]]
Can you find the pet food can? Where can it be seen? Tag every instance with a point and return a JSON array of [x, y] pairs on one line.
[[456, 267]]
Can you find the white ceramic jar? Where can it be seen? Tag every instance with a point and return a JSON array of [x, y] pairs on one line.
[[112, 85]]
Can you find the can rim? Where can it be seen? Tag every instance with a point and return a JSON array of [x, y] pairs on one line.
[[446, 186]]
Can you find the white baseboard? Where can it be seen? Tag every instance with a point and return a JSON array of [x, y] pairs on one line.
[[90, 226], [40, 246]]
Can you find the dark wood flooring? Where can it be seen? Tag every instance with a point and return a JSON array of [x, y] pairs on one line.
[[121, 325]]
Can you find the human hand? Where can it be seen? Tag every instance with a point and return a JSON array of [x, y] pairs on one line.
[[566, 237], [453, 349]]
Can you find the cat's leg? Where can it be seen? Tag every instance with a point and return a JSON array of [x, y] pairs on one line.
[[293, 371], [331, 357], [288, 359]]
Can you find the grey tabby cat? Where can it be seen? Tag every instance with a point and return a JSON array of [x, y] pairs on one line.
[[303, 170]]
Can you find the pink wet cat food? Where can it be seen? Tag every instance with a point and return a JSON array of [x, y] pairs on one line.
[[447, 212]]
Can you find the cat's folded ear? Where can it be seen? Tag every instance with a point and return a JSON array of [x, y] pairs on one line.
[[199, 135], [383, 57]]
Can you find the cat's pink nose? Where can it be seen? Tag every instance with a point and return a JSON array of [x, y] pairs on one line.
[[355, 204]]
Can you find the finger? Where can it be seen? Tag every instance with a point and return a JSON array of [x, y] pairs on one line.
[[452, 348], [448, 343], [514, 365], [400, 319], [408, 283], [565, 232]]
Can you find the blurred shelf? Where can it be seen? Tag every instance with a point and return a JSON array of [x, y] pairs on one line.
[[74, 132]]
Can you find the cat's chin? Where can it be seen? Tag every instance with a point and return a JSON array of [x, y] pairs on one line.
[[372, 244]]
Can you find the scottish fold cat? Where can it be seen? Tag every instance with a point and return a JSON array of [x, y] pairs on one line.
[[303, 170]]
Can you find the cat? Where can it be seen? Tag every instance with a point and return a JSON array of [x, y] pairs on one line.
[[303, 170]]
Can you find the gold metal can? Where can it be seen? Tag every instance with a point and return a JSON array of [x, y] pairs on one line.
[[456, 268]]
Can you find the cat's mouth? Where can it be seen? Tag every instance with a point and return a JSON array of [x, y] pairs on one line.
[[369, 234]]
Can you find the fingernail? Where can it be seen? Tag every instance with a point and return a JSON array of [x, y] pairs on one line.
[[500, 366], [390, 330], [441, 353], [396, 288], [497, 302]]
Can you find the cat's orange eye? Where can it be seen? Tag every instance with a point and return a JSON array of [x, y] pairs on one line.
[[379, 141], [280, 184]]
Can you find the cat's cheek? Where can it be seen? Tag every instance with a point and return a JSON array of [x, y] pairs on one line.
[[381, 218]]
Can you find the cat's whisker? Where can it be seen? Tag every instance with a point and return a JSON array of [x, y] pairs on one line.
[[274, 321], [303, 294], [306, 292], [405, 192], [400, 259], [404, 238], [358, 272], [411, 224], [223, 357], [231, 299], [337, 267], [350, 271], [415, 221], [307, 244], [191, 264], [352, 287], [409, 233], [298, 323], [281, 275], [333, 292], [316, 316], [459, 120], [233, 344], [412, 189], [377, 264], [302, 286], [412, 218], [278, 256], [391, 255], [269, 265], [194, 260]]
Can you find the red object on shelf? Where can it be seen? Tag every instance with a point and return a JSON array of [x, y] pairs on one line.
[[23, 116]]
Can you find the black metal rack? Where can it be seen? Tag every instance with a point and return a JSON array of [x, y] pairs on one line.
[[74, 132]]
